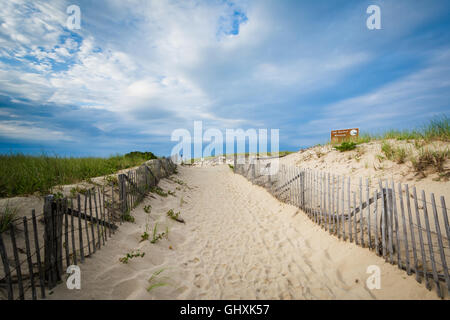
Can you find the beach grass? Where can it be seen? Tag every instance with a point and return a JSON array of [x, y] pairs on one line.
[[27, 174], [437, 129], [7, 216]]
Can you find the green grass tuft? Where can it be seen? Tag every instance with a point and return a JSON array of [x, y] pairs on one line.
[[152, 282], [7, 216]]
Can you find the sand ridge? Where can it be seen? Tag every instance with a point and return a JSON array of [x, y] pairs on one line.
[[238, 243]]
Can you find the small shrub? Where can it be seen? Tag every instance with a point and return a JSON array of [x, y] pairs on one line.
[[78, 190], [144, 236], [427, 158], [7, 216], [148, 209], [172, 193], [180, 182], [131, 255], [231, 166], [158, 191], [400, 155], [388, 150], [174, 216], [112, 180], [58, 195], [128, 217], [346, 146], [158, 236]]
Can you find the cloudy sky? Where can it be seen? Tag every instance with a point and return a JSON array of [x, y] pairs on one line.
[[137, 70]]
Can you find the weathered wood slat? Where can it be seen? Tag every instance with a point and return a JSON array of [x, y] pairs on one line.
[[361, 224], [111, 207], [99, 235], [49, 242], [397, 229], [102, 218], [355, 221], [343, 208], [405, 233], [350, 227], [430, 245], [332, 213], [29, 260], [411, 232], [369, 231], [444, 214], [94, 246], [86, 228], [383, 219], [17, 261], [72, 226], [338, 217], [440, 243], [66, 238], [422, 246], [375, 212], [38, 254], [80, 232], [328, 191], [5, 262], [390, 223]]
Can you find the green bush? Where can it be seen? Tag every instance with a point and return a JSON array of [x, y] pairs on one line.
[[346, 146]]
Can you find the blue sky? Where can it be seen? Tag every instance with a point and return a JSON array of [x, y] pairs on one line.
[[137, 70]]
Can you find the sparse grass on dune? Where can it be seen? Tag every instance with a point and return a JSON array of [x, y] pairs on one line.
[[437, 129], [24, 174], [7, 216], [426, 149]]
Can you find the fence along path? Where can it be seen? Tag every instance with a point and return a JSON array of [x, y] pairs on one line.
[[36, 251], [393, 220]]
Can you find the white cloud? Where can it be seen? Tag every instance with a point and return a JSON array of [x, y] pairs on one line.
[[25, 130]]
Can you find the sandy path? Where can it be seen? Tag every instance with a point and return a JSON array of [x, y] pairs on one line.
[[238, 243]]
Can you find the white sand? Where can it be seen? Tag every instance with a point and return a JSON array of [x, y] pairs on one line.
[[238, 243]]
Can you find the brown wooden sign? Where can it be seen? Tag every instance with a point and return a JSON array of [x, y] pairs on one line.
[[344, 134]]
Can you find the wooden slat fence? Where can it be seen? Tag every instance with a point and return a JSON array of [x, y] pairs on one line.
[[37, 249], [395, 221]]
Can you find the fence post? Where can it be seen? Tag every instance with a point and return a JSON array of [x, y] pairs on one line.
[[122, 193], [5, 261], [50, 241]]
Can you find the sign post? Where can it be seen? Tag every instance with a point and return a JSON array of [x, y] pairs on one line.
[[344, 135]]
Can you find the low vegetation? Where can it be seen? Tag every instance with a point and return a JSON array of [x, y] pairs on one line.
[[174, 216], [158, 236], [438, 129], [158, 191], [7, 216], [430, 158], [24, 174], [346, 146], [128, 217], [172, 193], [131, 255], [153, 283]]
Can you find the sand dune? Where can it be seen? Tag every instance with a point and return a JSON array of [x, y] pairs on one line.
[[238, 243]]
